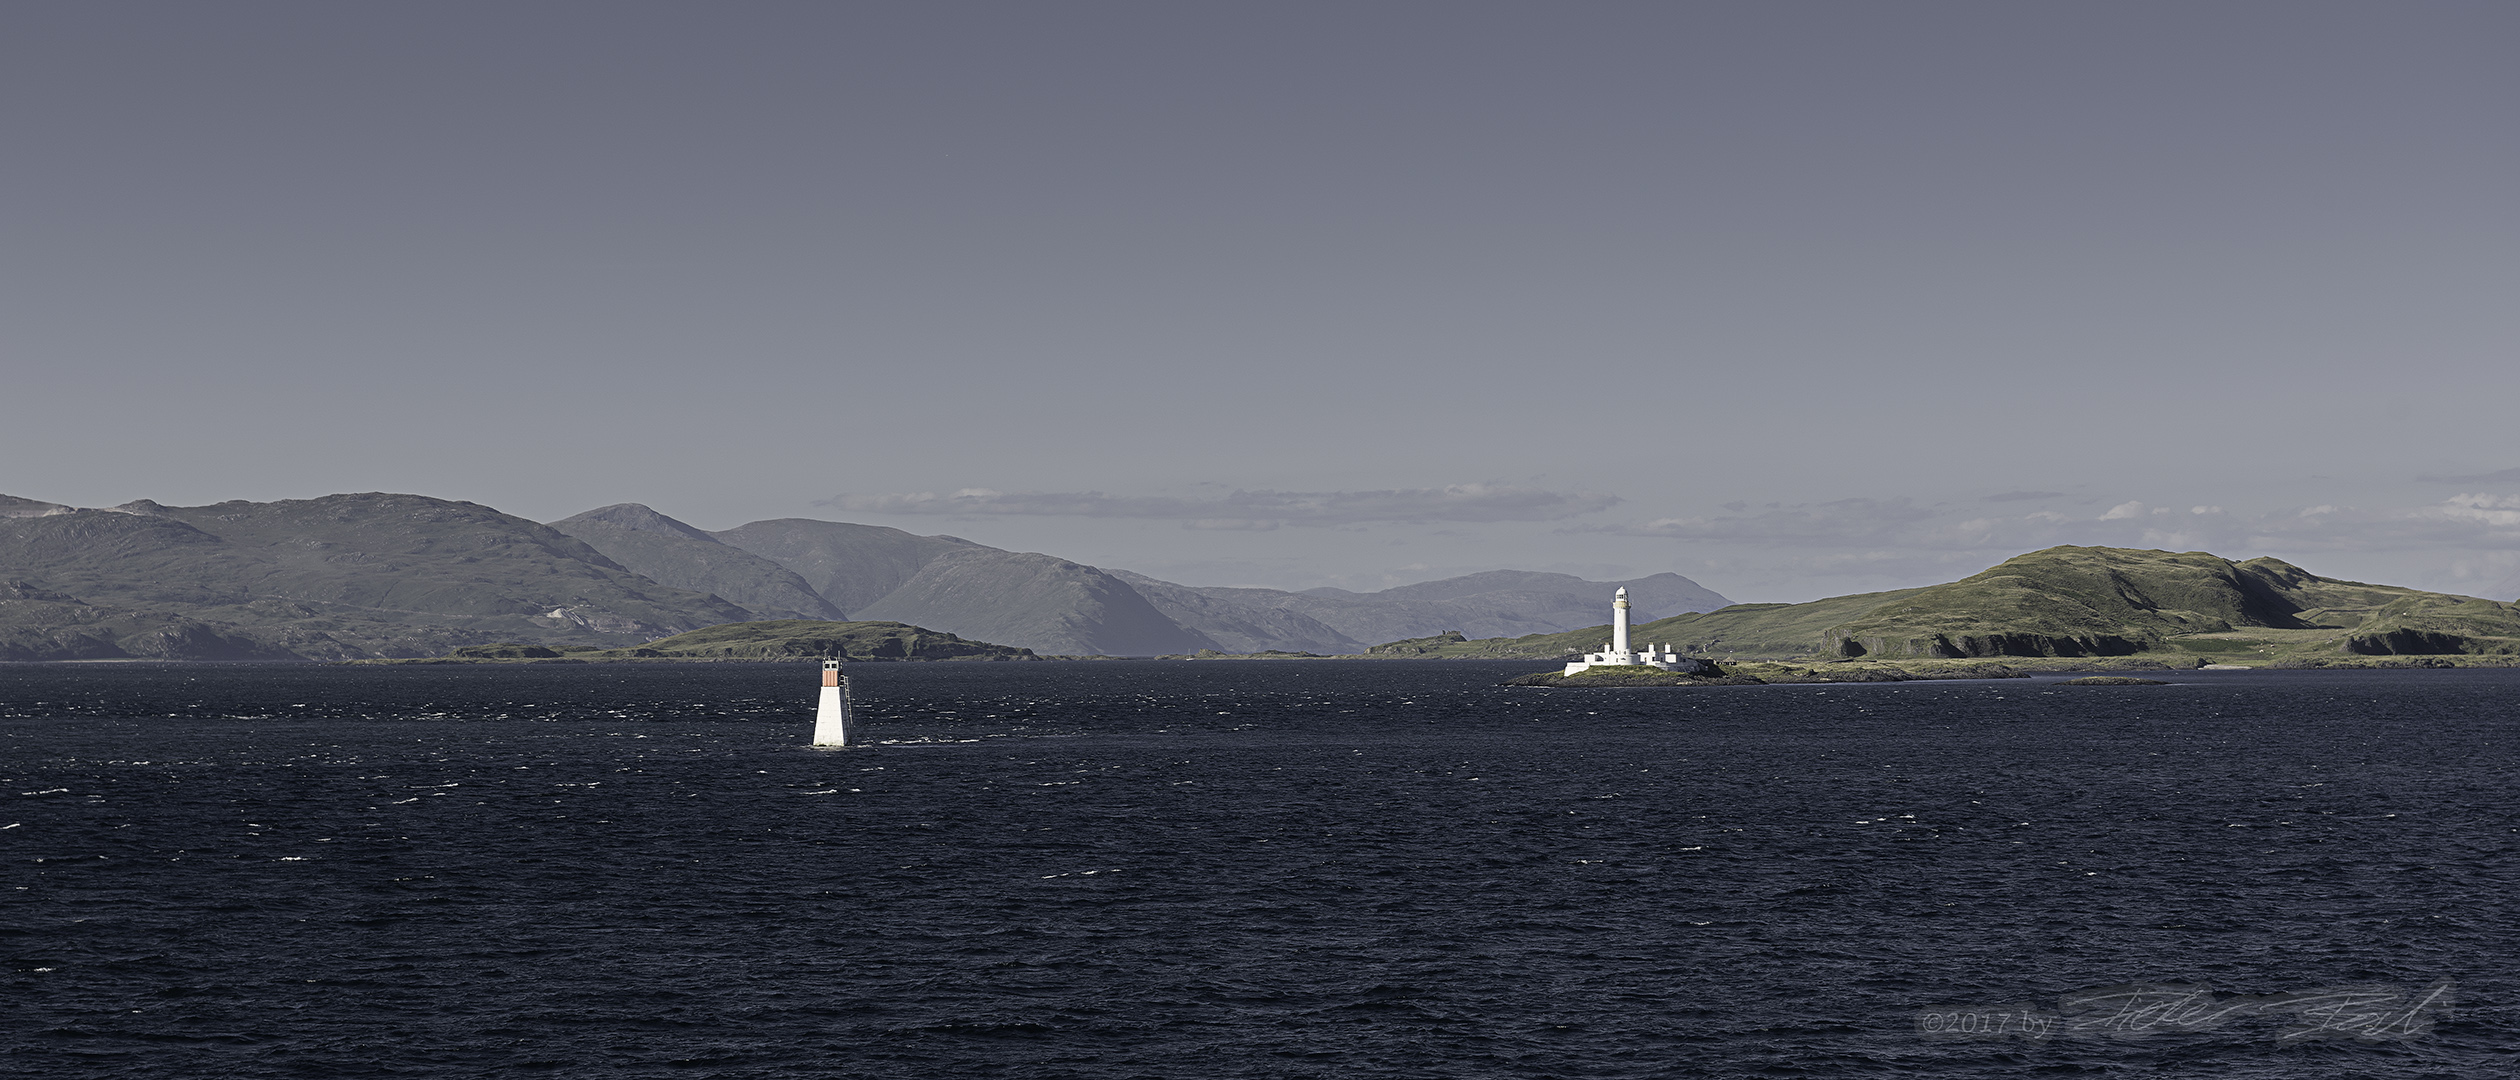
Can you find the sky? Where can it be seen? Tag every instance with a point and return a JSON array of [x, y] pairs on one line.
[[1794, 299]]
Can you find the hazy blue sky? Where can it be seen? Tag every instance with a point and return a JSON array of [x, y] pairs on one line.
[[1794, 299]]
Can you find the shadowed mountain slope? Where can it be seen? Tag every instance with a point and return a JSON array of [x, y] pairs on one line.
[[331, 578], [672, 553], [1038, 602], [39, 624], [851, 566], [1033, 601], [1237, 624]]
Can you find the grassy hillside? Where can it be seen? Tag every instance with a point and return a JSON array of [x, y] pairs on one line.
[[2181, 608], [2091, 601]]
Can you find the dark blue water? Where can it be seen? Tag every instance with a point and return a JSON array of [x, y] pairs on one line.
[[1248, 870]]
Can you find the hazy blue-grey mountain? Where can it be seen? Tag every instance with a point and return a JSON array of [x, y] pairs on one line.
[[1563, 597], [1238, 624], [1049, 605], [1033, 601], [332, 578], [1499, 603], [852, 566], [673, 553], [404, 575], [1057, 607]]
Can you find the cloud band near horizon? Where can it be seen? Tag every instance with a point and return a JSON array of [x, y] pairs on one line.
[[1251, 510], [2470, 520]]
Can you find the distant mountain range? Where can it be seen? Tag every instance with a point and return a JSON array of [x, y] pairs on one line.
[[1057, 607], [383, 575]]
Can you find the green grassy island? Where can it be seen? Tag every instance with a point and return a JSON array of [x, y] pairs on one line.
[[768, 640], [2062, 609]]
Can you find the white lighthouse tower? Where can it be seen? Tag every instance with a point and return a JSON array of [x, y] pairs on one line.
[[831, 716], [1617, 653]]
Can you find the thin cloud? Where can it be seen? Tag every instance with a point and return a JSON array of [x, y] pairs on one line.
[[2468, 543], [1251, 510], [2479, 522], [2506, 476], [2471, 521], [2496, 510], [1845, 521], [2017, 496]]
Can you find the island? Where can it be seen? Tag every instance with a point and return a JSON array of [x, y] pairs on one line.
[[771, 640], [2061, 609]]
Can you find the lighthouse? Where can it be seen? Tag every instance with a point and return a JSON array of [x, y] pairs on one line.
[[831, 717], [1618, 653], [1619, 622]]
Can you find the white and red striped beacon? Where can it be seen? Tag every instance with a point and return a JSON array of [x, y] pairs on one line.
[[831, 717]]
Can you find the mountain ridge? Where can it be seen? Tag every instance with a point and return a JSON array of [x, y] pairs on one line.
[[1060, 607], [676, 554], [378, 574], [336, 577]]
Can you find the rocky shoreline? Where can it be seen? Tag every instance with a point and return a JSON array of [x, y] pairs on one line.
[[1764, 674]]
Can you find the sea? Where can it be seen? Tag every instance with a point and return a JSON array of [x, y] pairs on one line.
[[1352, 869]]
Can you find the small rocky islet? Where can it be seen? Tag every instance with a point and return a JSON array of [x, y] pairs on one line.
[[1765, 674]]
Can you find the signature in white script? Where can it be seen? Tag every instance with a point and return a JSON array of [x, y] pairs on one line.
[[2370, 1013]]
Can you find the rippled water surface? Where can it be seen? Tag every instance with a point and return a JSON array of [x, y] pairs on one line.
[[1242, 870]]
